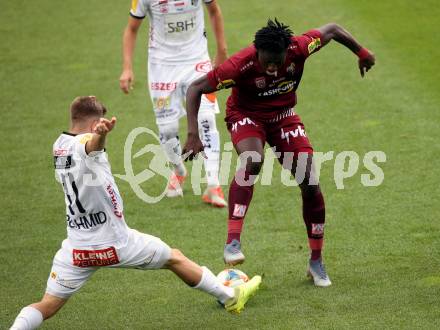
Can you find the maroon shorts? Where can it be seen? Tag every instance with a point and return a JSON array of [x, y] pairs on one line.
[[286, 134]]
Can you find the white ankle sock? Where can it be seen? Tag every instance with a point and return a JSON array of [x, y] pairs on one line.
[[211, 284], [29, 318]]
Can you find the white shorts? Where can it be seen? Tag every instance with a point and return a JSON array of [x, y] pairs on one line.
[[72, 267], [168, 85]]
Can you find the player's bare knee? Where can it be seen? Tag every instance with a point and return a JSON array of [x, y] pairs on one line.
[[176, 257]]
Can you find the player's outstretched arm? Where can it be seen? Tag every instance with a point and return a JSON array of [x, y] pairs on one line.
[[216, 19], [126, 80], [193, 144], [339, 34], [100, 131]]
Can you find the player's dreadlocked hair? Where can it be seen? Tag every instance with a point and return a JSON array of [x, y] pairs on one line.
[[275, 37]]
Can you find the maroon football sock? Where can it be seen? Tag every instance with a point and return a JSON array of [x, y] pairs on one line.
[[240, 196], [314, 219]]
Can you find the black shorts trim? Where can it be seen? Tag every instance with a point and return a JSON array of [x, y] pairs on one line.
[[137, 17]]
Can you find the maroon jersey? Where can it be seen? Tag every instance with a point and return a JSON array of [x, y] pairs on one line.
[[257, 94]]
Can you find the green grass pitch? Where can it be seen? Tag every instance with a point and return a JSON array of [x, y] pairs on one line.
[[382, 243]]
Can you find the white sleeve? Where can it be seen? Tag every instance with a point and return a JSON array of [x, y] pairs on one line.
[[79, 146], [207, 1], [138, 8]]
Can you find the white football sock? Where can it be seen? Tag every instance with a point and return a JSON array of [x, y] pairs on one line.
[[29, 318], [173, 151], [169, 139], [212, 285], [211, 140]]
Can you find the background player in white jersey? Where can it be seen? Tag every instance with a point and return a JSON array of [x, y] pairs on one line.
[[177, 55], [97, 235]]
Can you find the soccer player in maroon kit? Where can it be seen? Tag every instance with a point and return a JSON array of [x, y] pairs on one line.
[[264, 78]]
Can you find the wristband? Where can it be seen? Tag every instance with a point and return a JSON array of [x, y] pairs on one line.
[[363, 53]]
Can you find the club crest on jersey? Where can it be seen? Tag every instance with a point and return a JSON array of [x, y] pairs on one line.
[[163, 6], [260, 82], [239, 210]]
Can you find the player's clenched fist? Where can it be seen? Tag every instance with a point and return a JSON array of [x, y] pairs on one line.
[[104, 126]]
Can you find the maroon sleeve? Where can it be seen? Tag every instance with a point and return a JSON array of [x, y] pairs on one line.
[[309, 42], [225, 75]]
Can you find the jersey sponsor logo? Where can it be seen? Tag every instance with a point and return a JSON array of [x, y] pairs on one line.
[[299, 131], [161, 86], [225, 84], [239, 210], [60, 152], [86, 221], [244, 121], [314, 45], [69, 284], [113, 199], [277, 81], [95, 258], [161, 103], [181, 26], [283, 88], [62, 162], [163, 6], [260, 82], [317, 229], [204, 67]]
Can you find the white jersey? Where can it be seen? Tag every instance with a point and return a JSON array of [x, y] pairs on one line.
[[94, 210], [177, 29]]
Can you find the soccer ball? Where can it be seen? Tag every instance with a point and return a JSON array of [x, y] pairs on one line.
[[232, 277]]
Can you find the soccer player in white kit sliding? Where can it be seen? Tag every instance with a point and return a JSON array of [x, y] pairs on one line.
[[97, 235], [177, 55]]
